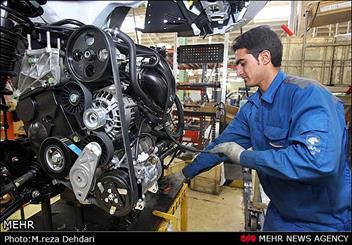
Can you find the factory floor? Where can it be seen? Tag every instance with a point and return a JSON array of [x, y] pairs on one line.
[[223, 212]]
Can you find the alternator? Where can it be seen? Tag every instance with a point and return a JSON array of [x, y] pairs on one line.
[[105, 112]]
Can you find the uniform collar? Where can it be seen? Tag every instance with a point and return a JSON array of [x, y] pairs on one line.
[[255, 98], [269, 95]]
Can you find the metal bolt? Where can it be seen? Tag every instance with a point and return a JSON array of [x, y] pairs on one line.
[[88, 54], [93, 117], [111, 197], [30, 60], [35, 194], [56, 157], [14, 159], [74, 98], [51, 80], [76, 139]]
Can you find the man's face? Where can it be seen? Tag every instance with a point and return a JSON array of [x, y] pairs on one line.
[[248, 67]]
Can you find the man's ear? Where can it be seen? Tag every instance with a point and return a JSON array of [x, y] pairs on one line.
[[265, 57]]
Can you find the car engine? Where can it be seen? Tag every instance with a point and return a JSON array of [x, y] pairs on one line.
[[99, 112]]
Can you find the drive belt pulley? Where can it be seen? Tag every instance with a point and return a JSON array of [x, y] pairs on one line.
[[113, 193], [75, 98], [105, 143], [87, 55], [56, 157]]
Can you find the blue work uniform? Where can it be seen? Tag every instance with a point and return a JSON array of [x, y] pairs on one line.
[[299, 136]]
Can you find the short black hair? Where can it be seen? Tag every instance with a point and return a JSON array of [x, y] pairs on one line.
[[258, 39]]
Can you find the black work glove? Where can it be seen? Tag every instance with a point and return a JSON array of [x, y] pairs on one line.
[[181, 177]]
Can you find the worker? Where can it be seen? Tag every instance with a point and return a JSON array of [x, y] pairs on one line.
[[299, 137]]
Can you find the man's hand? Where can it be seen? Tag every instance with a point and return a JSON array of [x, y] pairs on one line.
[[180, 177], [231, 149]]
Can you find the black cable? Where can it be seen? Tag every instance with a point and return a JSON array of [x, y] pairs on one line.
[[67, 22], [180, 123], [43, 20], [169, 133], [172, 158], [185, 13], [135, 25], [138, 138], [18, 17], [132, 65], [314, 17], [131, 49], [62, 30]]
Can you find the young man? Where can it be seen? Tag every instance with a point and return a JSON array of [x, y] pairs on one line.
[[299, 138]]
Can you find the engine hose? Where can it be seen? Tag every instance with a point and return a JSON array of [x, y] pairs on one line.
[[18, 17], [180, 125], [168, 152], [162, 68], [140, 50], [181, 120], [67, 22], [172, 158], [133, 69], [150, 116], [168, 77]]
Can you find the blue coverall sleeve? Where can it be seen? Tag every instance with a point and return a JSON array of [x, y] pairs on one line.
[[315, 140], [237, 131]]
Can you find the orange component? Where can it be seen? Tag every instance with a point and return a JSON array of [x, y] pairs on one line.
[[10, 130]]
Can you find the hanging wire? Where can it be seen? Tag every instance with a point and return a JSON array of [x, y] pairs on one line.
[[135, 26], [43, 20], [314, 17]]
